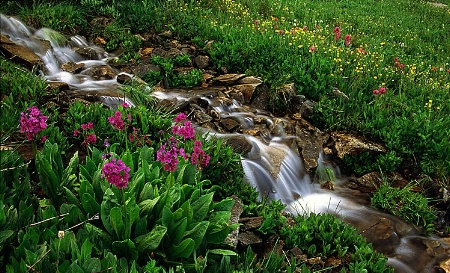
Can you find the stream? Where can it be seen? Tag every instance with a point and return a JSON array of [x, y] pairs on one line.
[[271, 166]]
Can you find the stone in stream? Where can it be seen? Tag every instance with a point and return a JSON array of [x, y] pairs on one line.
[[19, 54]]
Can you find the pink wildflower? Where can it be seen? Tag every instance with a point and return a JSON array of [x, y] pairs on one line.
[[312, 49], [87, 126], [90, 139], [347, 40], [382, 90], [116, 173], [76, 132], [116, 121], [199, 157], [376, 92], [305, 28], [168, 155], [33, 122], [337, 33], [186, 130], [125, 105], [180, 117]]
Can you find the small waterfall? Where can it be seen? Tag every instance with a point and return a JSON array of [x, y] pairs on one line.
[[54, 49], [276, 171]]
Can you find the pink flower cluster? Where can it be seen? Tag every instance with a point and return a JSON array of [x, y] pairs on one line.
[[117, 122], [87, 130], [398, 64], [337, 35], [116, 173], [170, 151], [168, 154], [382, 90], [199, 157], [186, 130], [32, 122]]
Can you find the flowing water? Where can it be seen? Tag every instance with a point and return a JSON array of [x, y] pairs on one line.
[[271, 166]]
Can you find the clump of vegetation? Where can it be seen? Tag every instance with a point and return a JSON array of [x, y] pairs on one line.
[[167, 73], [406, 204]]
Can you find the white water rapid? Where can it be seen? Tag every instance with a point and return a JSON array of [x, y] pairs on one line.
[[271, 166]]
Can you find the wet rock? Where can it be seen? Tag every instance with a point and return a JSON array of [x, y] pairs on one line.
[[229, 124], [201, 61], [103, 72], [346, 144], [249, 80], [239, 144], [123, 78], [328, 186], [369, 182], [72, 67], [309, 141], [382, 235], [261, 98], [86, 51], [173, 52], [245, 91], [249, 238], [142, 69], [307, 108], [207, 77], [146, 51], [60, 86], [286, 92], [159, 52], [18, 53], [228, 79], [201, 117]]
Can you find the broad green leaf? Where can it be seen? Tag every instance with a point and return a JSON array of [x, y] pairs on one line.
[[105, 209], [224, 205], [151, 240], [167, 217], [200, 207], [147, 192], [125, 248], [86, 251], [69, 173], [176, 231], [5, 235], [72, 198], [90, 205], [183, 250], [131, 216], [92, 265], [147, 206], [138, 182], [220, 217], [98, 232], [117, 223], [197, 233], [224, 252], [47, 176], [75, 268], [127, 158]]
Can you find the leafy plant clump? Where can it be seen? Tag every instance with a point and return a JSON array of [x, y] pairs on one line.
[[406, 204]]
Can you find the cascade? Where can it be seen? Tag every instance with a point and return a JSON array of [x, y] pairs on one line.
[[271, 166]]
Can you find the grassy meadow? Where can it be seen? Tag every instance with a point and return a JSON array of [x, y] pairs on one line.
[[65, 209]]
